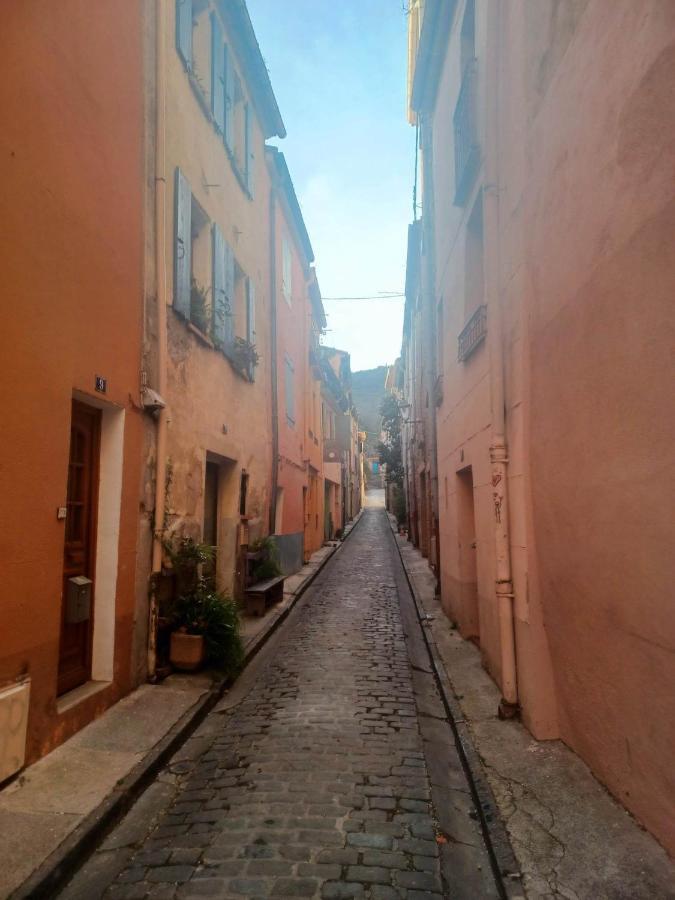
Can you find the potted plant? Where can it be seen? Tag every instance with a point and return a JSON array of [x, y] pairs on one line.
[[204, 622], [243, 356], [265, 559]]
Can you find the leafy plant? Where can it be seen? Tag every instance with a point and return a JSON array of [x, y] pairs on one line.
[[268, 565], [390, 449], [204, 611], [199, 306], [198, 608], [243, 355]]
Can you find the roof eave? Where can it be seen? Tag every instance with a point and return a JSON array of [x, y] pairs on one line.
[[240, 29]]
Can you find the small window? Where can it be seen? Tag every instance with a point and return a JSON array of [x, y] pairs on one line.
[[286, 270], [290, 392], [474, 283], [243, 493]]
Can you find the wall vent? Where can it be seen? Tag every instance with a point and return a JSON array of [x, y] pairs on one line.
[[13, 725]]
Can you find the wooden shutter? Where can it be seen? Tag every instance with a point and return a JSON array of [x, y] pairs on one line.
[[220, 306], [182, 246], [248, 137], [228, 69], [217, 73], [229, 293], [184, 31]]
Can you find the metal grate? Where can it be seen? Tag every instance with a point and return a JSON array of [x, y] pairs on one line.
[[472, 334], [467, 149]]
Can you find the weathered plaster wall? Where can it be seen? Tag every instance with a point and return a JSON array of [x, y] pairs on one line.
[[293, 322], [597, 208], [212, 410], [71, 145]]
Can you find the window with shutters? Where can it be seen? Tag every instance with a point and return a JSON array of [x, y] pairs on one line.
[[286, 270], [289, 381], [201, 49], [200, 279], [209, 63], [192, 257]]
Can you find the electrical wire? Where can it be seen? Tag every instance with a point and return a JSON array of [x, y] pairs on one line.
[[392, 296]]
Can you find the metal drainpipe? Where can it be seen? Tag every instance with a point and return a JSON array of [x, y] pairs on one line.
[[274, 379], [160, 275], [498, 448]]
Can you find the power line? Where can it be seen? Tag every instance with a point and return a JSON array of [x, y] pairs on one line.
[[391, 296]]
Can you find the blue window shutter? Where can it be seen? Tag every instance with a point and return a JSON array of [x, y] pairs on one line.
[[250, 161], [217, 73], [228, 68], [229, 293], [220, 308], [250, 318], [182, 246], [184, 31]]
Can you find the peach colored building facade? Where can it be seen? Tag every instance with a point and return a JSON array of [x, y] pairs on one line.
[[546, 271], [71, 202], [216, 369], [298, 322]]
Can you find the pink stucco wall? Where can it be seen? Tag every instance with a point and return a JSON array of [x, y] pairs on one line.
[[597, 210]]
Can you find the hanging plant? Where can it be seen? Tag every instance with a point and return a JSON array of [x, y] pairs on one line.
[[199, 306], [243, 355]]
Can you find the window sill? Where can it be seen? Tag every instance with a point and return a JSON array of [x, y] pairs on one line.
[[200, 335]]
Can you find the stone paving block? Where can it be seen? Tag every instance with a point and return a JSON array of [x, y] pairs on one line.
[[294, 887], [341, 890], [172, 874], [372, 841]]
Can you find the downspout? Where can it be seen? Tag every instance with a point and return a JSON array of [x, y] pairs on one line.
[[274, 375], [160, 270], [498, 449]]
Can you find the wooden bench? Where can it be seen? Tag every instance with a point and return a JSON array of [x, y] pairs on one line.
[[262, 595]]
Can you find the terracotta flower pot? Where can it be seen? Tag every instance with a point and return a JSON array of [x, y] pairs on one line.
[[187, 651]]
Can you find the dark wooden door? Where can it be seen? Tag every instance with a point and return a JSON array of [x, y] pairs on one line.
[[80, 541]]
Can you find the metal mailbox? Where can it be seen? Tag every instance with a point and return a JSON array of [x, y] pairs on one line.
[[78, 599]]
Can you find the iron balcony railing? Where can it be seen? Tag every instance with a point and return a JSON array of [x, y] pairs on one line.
[[472, 334], [465, 127]]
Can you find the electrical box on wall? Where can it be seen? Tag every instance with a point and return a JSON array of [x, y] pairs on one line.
[[78, 599], [14, 722]]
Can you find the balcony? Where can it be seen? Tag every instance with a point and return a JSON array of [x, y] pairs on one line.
[[464, 121], [472, 334]]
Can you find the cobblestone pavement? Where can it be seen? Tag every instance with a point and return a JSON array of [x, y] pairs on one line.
[[318, 783]]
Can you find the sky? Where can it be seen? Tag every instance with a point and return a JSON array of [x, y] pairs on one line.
[[338, 69]]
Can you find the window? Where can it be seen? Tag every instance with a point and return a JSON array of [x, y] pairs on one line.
[[243, 493], [192, 257], [286, 270], [473, 260], [210, 66], [465, 126], [290, 392]]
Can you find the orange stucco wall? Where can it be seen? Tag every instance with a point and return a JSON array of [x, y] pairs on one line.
[[71, 196]]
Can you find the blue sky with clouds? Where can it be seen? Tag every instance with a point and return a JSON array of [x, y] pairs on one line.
[[338, 68]]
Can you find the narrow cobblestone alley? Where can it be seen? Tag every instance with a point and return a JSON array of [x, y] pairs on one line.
[[319, 782]]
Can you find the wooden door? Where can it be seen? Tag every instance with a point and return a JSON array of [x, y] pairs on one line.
[[80, 541]]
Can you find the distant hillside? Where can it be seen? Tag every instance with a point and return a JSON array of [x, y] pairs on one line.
[[368, 392]]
